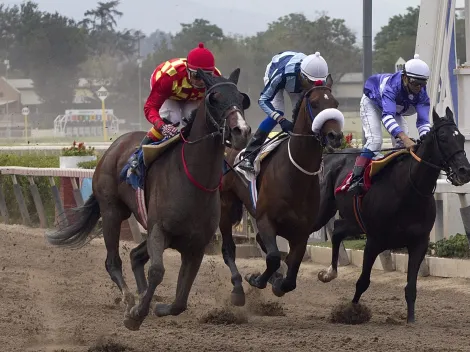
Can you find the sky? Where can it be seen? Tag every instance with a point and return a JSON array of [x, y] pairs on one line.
[[246, 17]]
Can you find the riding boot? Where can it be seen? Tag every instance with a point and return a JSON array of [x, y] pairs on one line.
[[256, 141], [357, 179], [133, 161]]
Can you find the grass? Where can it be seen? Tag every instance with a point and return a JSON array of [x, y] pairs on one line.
[[348, 244]]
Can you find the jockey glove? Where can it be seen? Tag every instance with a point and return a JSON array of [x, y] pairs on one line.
[[169, 130], [286, 125]]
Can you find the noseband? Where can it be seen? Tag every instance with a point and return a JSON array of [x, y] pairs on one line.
[[224, 129], [444, 165]]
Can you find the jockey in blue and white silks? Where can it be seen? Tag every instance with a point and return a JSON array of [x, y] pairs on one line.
[[288, 71], [386, 100]]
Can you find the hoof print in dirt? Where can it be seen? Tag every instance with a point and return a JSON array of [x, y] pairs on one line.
[[224, 316], [267, 309], [350, 313], [110, 346]]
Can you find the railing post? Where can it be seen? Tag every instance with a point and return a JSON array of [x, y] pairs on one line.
[[21, 202], [58, 203], [37, 202], [3, 206]]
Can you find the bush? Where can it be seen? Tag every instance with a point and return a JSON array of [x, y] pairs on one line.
[[453, 247], [88, 164], [78, 149], [41, 182]]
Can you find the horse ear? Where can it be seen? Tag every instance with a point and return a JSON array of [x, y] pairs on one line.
[[204, 77], [246, 101], [449, 114], [235, 75], [329, 81], [435, 116]]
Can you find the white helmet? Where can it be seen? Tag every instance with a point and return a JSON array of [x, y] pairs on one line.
[[416, 68], [314, 67]]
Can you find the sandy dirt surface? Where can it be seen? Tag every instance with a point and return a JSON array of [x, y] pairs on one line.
[[61, 300]]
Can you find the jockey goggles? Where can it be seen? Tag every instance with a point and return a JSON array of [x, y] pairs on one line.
[[194, 75], [417, 82], [317, 82]]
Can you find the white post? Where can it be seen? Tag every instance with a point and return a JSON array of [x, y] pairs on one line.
[[467, 30]]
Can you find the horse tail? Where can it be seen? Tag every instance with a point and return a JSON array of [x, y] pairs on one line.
[[236, 211], [77, 233]]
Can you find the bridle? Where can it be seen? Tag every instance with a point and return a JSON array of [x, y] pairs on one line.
[[317, 136], [443, 165], [211, 121], [222, 130]]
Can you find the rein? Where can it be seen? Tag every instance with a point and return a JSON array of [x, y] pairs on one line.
[[310, 113], [220, 130]]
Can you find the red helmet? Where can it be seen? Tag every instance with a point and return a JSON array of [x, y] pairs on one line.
[[202, 58]]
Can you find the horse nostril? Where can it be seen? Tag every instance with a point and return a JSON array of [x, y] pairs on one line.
[[331, 135], [463, 170], [237, 130]]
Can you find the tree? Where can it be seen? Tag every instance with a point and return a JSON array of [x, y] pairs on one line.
[[398, 39], [45, 47], [192, 33], [330, 36]]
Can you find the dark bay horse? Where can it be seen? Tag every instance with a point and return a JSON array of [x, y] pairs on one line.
[[288, 199], [399, 209], [181, 194]]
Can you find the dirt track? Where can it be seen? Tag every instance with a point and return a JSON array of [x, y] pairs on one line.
[[62, 300]]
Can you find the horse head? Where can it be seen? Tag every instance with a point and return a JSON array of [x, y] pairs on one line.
[[447, 148], [320, 115], [225, 106]]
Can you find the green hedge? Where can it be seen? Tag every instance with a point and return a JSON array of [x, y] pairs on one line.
[[453, 247], [41, 182]]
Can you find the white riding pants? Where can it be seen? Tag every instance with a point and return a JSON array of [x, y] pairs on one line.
[[174, 110], [278, 100], [371, 117]]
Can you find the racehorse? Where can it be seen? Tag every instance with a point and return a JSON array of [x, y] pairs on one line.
[[288, 184], [288, 200], [181, 194], [399, 209]]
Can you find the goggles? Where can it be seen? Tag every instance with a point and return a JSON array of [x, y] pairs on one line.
[[194, 75], [417, 82], [317, 82]]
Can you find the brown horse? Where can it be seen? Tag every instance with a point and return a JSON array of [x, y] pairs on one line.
[[288, 185], [182, 213]]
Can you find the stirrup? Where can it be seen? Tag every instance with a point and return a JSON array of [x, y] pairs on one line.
[[246, 165]]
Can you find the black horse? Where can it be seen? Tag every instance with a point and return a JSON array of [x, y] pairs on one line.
[[399, 209]]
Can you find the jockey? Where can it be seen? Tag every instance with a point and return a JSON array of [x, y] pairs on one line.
[[387, 98], [176, 90], [288, 71]]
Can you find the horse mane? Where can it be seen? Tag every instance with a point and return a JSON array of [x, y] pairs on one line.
[[295, 111]]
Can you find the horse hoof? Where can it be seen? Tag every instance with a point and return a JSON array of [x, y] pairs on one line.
[[131, 323], [163, 310], [253, 280], [278, 292], [326, 275], [322, 275], [238, 299]]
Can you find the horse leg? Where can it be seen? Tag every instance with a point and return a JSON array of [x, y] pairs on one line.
[[341, 229], [190, 262], [371, 251], [282, 271], [416, 255], [111, 220], [273, 256], [294, 259], [139, 257], [156, 244], [229, 255]]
